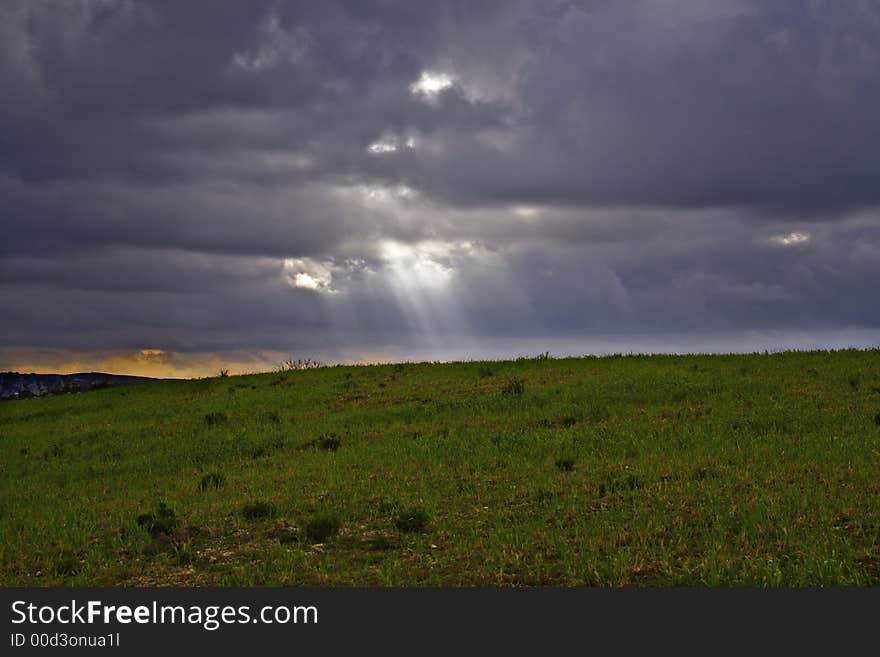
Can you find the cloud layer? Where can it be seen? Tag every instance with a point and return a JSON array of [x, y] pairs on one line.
[[356, 180]]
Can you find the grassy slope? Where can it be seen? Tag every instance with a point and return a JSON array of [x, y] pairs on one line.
[[698, 470]]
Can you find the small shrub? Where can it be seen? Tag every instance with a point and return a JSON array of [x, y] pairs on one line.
[[258, 510], [161, 523], [272, 417], [329, 442], [484, 372], [294, 364], [319, 529], [565, 465], [513, 387], [215, 418], [223, 373], [211, 480], [877, 419], [414, 520]]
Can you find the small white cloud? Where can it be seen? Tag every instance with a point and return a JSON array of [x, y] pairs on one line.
[[790, 239], [431, 84], [391, 144], [308, 274], [380, 147], [309, 282], [388, 194]]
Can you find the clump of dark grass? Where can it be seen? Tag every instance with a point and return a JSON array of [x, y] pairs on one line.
[[700, 473], [67, 563], [272, 445], [322, 527], [258, 510], [388, 506], [544, 496], [412, 520], [565, 465], [381, 543], [484, 372], [877, 419], [161, 523], [215, 418], [329, 442], [272, 416], [513, 387], [211, 480], [286, 536]]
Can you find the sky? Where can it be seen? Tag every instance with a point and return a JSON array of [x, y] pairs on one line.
[[186, 186]]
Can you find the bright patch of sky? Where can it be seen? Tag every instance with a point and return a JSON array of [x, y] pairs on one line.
[[308, 274], [791, 239], [431, 84]]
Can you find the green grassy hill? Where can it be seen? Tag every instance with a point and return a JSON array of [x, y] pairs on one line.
[[663, 470]]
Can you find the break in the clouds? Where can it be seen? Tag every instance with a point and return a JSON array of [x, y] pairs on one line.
[[190, 183]]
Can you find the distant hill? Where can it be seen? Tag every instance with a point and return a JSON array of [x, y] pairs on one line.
[[15, 385]]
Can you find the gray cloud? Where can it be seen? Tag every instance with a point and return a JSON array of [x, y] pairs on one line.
[[264, 176]]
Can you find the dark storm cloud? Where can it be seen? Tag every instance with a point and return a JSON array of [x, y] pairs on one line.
[[210, 176]]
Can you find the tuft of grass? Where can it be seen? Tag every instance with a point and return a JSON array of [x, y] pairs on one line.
[[322, 527], [162, 522], [513, 386], [329, 442], [215, 418], [565, 465], [412, 520], [67, 563], [211, 480], [258, 510]]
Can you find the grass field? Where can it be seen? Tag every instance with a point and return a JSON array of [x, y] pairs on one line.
[[663, 470]]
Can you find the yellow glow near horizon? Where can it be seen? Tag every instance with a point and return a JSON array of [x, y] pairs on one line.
[[152, 362]]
